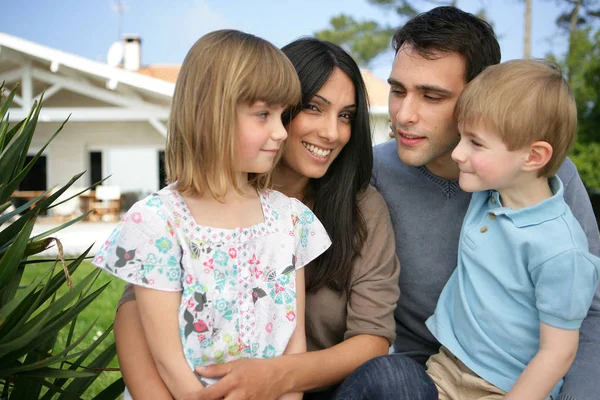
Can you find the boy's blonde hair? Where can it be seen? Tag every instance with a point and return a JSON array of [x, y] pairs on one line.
[[523, 101], [222, 70]]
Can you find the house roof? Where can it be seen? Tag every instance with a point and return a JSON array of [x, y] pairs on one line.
[[56, 59]]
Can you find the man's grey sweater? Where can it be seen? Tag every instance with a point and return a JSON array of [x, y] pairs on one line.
[[427, 213]]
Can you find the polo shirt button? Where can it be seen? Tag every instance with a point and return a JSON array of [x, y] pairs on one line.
[[483, 229], [492, 216], [493, 200]]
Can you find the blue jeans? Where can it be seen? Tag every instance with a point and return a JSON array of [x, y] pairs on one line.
[[394, 376]]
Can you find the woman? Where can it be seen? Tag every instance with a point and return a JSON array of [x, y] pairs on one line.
[[352, 288]]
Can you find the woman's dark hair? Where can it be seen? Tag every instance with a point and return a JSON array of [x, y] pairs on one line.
[[334, 197], [451, 30]]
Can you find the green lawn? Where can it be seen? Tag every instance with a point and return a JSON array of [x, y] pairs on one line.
[[103, 308]]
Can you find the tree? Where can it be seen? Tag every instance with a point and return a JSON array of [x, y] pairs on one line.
[[527, 30], [583, 61], [578, 14], [364, 40]]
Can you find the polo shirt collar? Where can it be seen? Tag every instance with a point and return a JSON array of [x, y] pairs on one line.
[[545, 210]]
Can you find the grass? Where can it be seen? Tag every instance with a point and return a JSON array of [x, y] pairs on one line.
[[103, 308]]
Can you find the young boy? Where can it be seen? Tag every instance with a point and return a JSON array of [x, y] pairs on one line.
[[508, 319]]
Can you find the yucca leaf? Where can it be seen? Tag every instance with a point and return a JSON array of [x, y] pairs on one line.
[[112, 392], [4, 207], [47, 384], [20, 314], [7, 235], [7, 103], [80, 385], [84, 354], [25, 338], [59, 279], [27, 133], [54, 359], [37, 246], [6, 139], [8, 293], [60, 320], [17, 348], [11, 306], [53, 312], [13, 326], [60, 227], [16, 150], [59, 373], [10, 260], [16, 181], [82, 191], [25, 387], [21, 208], [3, 133]]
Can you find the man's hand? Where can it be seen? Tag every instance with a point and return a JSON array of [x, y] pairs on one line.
[[248, 379]]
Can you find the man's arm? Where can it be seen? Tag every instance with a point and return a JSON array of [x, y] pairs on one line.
[[581, 382]]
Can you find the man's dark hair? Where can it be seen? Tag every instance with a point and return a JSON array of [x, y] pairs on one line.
[[451, 30]]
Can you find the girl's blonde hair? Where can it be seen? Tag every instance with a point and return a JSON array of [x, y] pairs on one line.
[[222, 70]]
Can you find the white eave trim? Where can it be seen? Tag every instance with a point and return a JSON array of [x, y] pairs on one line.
[[378, 110], [56, 57]]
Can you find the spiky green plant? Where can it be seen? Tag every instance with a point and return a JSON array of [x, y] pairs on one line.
[[33, 364]]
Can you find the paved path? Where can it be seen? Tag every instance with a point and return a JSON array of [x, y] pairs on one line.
[[78, 237]]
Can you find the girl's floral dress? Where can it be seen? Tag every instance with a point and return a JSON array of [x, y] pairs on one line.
[[238, 285]]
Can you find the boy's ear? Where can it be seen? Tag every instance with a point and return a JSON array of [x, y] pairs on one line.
[[538, 156]]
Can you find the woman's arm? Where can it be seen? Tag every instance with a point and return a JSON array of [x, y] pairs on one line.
[[158, 313], [135, 360], [269, 379], [552, 361]]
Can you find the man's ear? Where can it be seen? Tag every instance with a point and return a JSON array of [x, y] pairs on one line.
[[538, 156]]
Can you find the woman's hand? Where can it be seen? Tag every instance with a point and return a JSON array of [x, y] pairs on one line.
[[251, 379]]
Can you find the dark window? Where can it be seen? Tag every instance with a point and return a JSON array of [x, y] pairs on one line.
[[95, 166], [36, 178], [162, 174]]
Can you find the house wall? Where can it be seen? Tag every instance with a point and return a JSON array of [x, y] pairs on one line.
[[130, 152], [380, 127]]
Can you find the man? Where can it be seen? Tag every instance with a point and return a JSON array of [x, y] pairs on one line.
[[437, 54]]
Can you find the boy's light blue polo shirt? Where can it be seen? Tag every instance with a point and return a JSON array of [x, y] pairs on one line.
[[515, 269]]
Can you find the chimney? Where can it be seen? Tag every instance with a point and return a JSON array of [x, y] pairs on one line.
[[132, 52]]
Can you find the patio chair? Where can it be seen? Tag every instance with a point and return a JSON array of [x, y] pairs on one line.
[[68, 209], [107, 206]]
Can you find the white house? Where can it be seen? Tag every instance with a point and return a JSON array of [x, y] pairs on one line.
[[117, 114]]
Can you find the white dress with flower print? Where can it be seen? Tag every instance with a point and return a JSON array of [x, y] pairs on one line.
[[238, 285]]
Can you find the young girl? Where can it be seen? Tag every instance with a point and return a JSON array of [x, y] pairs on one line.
[[215, 253]]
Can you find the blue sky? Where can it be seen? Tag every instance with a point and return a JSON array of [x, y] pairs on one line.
[[169, 27]]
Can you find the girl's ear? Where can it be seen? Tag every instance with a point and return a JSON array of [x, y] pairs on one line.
[[538, 156]]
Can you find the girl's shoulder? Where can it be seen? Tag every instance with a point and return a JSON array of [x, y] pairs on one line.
[[158, 203], [281, 202]]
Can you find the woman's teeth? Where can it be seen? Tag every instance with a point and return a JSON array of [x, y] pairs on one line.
[[315, 150]]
